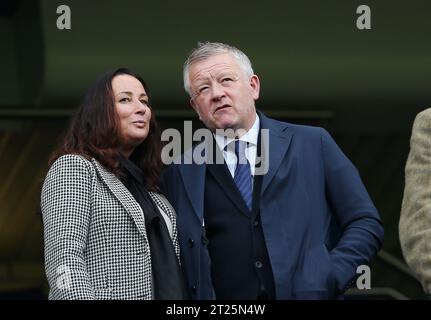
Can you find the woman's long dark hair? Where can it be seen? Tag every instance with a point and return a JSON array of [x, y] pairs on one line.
[[95, 132]]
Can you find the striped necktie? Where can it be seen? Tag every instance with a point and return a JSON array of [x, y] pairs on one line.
[[243, 177]]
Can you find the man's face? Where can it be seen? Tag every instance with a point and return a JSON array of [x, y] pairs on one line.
[[222, 95]]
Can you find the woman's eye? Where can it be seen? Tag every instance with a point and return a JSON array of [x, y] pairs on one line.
[[203, 89], [124, 100], [144, 102]]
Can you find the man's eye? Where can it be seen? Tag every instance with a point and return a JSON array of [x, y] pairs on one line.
[[226, 79]]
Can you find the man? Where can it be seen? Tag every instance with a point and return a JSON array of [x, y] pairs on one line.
[[415, 222], [296, 229]]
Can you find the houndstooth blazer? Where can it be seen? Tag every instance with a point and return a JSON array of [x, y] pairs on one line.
[[96, 245], [415, 220]]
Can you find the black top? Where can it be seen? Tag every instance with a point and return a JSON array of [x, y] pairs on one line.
[[167, 277]]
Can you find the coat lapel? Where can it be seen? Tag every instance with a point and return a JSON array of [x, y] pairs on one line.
[[123, 195], [193, 176], [221, 174], [165, 206], [278, 144]]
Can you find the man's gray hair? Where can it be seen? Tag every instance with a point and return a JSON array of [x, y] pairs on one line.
[[206, 50]]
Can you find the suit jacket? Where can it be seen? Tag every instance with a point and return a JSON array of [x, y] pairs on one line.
[[318, 221], [95, 239], [415, 220]]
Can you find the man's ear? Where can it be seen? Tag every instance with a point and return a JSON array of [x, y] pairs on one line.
[[255, 86]]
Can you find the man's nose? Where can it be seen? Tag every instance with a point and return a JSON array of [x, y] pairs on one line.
[[217, 91]]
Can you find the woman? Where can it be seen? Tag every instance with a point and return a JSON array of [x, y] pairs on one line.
[[108, 233]]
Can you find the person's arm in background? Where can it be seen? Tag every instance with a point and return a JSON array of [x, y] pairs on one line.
[[415, 219], [361, 228], [66, 208]]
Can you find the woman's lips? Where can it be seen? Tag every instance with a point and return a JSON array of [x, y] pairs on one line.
[[139, 123]]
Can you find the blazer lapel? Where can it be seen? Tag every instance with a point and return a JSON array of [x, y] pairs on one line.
[[221, 174], [193, 176], [164, 205], [278, 144], [123, 196]]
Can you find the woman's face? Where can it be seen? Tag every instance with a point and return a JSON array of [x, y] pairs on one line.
[[131, 103]]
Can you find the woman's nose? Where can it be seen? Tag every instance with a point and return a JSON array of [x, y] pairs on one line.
[[140, 107]]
